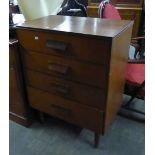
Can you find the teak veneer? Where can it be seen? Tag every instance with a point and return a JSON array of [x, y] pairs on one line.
[[75, 67]]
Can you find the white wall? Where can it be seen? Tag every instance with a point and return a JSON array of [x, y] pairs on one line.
[[32, 9]]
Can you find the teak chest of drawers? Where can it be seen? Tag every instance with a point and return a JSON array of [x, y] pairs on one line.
[[74, 68]]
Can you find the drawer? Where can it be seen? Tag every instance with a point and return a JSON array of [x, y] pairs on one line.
[[65, 68], [67, 110], [66, 89], [12, 56], [62, 44], [13, 48]]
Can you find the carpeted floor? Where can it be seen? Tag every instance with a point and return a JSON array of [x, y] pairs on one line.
[[56, 137]]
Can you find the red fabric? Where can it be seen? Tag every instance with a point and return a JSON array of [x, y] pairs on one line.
[[110, 12], [135, 73]]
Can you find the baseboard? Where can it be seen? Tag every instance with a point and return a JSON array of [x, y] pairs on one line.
[[20, 120]]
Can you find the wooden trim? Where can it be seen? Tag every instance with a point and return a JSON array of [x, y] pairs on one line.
[[117, 7], [136, 61], [20, 120], [115, 3], [13, 42], [128, 8], [138, 38]]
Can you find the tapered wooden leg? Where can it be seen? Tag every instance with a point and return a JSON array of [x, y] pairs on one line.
[[41, 117], [97, 140]]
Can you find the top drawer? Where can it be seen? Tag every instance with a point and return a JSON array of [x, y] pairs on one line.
[[76, 47]]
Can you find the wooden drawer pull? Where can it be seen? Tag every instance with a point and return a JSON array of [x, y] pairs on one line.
[[57, 45], [12, 68], [59, 88], [62, 69], [60, 108]]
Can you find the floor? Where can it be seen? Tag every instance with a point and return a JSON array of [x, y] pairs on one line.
[[56, 137]]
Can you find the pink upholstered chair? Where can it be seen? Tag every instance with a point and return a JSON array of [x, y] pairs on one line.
[[135, 71], [107, 10]]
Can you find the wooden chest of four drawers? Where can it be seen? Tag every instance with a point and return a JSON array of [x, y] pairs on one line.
[[74, 68]]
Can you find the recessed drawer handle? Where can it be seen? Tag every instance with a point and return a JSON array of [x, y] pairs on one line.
[[62, 69], [57, 45], [59, 88], [11, 68], [60, 108]]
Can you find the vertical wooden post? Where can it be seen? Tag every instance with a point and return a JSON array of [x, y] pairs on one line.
[[41, 117], [97, 139]]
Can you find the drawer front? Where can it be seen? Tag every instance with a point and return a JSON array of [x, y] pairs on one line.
[[67, 110], [69, 90], [65, 68], [11, 58], [87, 49]]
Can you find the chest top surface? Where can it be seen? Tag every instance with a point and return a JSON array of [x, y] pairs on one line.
[[78, 25]]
